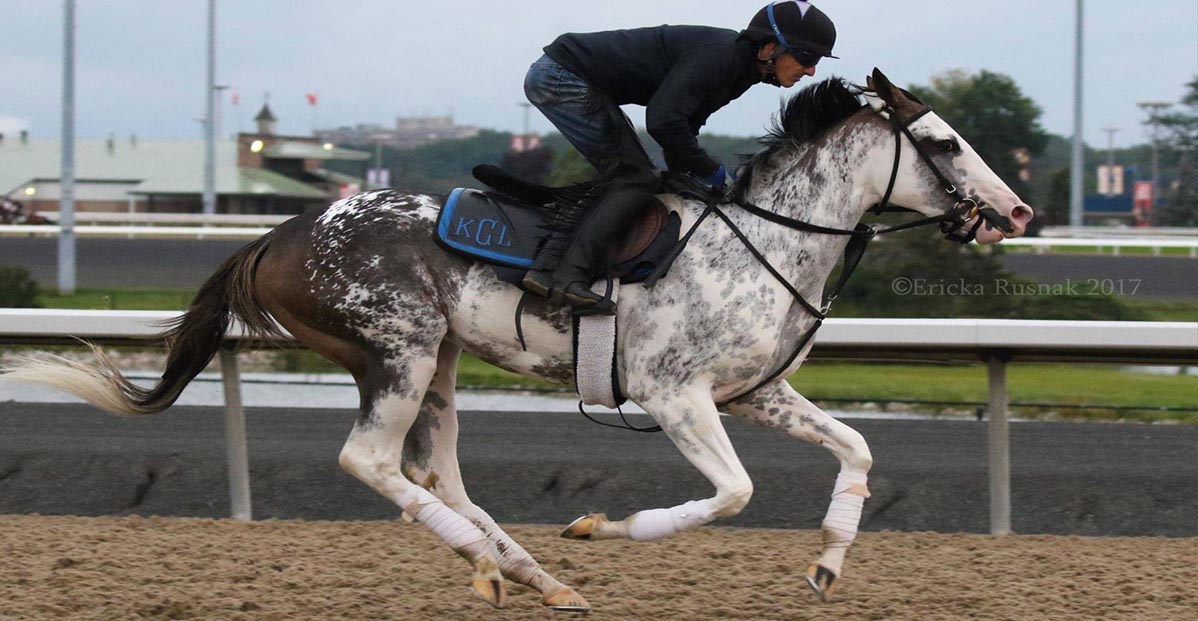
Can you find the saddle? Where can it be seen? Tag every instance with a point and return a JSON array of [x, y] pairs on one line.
[[506, 227]]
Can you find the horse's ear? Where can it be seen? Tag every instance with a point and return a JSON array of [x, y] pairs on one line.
[[879, 95], [882, 86], [898, 99]]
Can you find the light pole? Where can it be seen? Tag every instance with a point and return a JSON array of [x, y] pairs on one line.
[[66, 181], [1075, 170], [527, 106], [1110, 130], [1154, 109], [218, 91], [1109, 176], [209, 200]]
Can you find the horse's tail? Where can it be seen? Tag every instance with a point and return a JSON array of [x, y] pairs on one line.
[[191, 341]]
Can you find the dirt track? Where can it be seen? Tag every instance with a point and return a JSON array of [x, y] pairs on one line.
[[172, 568]]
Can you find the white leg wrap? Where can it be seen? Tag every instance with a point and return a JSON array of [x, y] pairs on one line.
[[514, 561], [658, 523], [844, 514], [461, 535]]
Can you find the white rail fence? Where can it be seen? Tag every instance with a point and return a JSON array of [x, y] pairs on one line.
[[185, 219], [1116, 244], [993, 342], [1118, 231], [87, 218], [199, 226]]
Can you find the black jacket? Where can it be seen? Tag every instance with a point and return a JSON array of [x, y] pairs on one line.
[[681, 74]]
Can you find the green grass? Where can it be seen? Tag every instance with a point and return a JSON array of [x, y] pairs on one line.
[[1082, 385], [1102, 250], [475, 372], [118, 299], [472, 372], [1166, 310]]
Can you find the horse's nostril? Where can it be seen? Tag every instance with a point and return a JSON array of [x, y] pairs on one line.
[[1022, 214]]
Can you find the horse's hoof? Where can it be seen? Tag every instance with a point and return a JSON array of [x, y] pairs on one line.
[[566, 600], [584, 527], [821, 580], [487, 583]]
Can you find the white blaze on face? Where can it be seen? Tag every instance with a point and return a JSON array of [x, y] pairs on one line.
[[972, 178]]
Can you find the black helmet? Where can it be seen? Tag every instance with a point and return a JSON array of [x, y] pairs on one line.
[[794, 24]]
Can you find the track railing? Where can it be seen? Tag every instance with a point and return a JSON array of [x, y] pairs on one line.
[[197, 226], [994, 342]]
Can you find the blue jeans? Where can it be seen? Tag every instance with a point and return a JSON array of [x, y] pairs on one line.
[[587, 117]]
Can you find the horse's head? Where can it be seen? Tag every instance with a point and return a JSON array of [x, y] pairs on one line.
[[942, 174]]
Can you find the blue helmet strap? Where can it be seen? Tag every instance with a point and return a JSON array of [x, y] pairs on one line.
[[769, 10], [783, 45]]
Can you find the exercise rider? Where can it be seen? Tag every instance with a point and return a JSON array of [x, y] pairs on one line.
[[681, 74]]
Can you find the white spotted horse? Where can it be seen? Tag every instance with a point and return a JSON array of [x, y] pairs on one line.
[[363, 283]]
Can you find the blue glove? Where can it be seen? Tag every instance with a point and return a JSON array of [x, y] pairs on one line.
[[718, 179]]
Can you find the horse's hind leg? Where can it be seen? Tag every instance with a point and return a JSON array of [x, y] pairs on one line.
[[691, 420], [392, 391], [780, 406], [431, 461]]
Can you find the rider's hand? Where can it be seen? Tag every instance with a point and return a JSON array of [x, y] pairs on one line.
[[718, 180]]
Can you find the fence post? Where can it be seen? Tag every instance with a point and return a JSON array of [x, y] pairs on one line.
[[236, 452], [999, 447]]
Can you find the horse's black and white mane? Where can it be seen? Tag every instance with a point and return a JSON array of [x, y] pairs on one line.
[[804, 117]]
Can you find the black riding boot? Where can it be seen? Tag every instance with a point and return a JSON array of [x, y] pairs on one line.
[[539, 278], [594, 241]]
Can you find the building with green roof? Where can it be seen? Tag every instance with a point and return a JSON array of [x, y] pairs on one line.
[[259, 173]]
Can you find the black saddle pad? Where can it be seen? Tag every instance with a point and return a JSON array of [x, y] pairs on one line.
[[506, 233]]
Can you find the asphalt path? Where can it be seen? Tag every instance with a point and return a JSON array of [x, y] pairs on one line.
[[185, 263], [1067, 478]]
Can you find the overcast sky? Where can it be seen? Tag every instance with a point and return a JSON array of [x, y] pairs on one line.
[[140, 64]]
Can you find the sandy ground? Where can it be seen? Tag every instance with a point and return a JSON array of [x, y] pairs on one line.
[[173, 568]]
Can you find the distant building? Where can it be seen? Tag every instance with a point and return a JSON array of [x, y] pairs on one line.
[[258, 173], [408, 133]]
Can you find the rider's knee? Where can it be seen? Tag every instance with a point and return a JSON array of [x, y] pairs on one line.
[[632, 177]]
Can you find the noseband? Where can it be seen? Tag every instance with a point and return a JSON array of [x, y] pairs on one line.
[[952, 221]]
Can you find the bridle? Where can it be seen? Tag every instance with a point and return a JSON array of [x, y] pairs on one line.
[[952, 221]]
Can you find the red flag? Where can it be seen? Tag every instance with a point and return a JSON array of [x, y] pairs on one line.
[[311, 99]]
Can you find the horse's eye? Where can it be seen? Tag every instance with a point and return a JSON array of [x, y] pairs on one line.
[[946, 145]]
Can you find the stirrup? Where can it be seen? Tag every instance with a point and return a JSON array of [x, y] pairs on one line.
[[538, 282], [585, 302]]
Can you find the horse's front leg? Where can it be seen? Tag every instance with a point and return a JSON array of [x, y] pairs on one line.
[[691, 420], [780, 406]]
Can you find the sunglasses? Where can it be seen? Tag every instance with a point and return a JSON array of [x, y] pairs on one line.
[[807, 58]]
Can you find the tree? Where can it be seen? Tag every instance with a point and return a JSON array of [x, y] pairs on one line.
[[531, 165], [569, 167], [1055, 208], [990, 111], [17, 289], [1181, 208]]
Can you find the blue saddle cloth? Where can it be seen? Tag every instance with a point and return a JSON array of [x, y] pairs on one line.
[[506, 233]]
